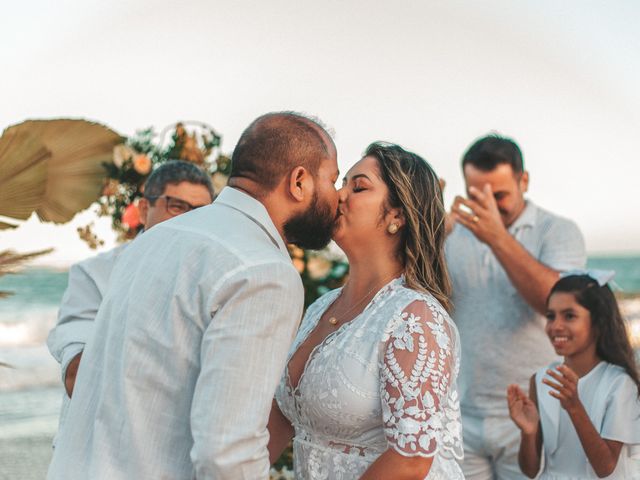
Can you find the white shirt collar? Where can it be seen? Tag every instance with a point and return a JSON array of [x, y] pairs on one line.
[[527, 217], [252, 208]]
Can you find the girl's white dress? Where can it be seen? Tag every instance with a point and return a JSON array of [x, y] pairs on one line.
[[386, 379], [610, 398]]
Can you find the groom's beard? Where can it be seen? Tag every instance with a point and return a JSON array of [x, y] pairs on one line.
[[311, 229]]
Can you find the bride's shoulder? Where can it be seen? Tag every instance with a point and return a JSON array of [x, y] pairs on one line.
[[408, 298]]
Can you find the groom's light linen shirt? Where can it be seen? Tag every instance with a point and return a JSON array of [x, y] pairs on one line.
[[189, 344]]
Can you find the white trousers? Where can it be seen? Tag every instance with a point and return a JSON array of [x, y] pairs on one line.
[[491, 446]]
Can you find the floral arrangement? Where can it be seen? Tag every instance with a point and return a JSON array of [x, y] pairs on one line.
[[134, 160]]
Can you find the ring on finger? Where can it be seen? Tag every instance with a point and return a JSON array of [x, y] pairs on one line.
[[475, 219]]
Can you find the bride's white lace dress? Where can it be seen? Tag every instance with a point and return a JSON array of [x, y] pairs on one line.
[[387, 379]]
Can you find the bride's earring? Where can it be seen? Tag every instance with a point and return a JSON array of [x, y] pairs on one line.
[[392, 228]]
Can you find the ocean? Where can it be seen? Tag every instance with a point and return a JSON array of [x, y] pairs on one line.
[[31, 389]]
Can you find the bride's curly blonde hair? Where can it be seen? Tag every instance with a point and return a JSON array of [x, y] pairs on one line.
[[415, 190]]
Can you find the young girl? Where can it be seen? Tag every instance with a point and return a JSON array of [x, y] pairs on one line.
[[585, 411]]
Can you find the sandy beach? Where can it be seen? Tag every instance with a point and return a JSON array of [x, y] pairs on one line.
[[28, 420], [25, 458]]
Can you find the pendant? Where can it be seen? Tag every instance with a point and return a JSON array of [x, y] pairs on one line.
[[333, 321]]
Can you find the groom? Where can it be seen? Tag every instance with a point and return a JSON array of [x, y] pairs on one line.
[[192, 335]]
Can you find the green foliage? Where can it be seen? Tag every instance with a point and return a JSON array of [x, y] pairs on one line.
[[285, 460], [321, 273]]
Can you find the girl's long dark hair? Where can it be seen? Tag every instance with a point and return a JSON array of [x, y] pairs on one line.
[[612, 339]]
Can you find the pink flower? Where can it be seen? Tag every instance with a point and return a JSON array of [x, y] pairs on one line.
[[131, 216]]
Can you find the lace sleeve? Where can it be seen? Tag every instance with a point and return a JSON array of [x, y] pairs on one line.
[[420, 408]]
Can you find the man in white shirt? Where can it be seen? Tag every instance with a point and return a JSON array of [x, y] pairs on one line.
[[172, 189], [504, 254], [193, 332]]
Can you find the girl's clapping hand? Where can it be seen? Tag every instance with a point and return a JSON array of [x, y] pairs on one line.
[[522, 410], [565, 388]]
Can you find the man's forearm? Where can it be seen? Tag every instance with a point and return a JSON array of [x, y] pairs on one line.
[[532, 279], [70, 374]]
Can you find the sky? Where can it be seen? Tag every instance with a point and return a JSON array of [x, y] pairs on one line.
[[561, 78]]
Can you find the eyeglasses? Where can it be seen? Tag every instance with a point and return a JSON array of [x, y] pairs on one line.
[[173, 205]]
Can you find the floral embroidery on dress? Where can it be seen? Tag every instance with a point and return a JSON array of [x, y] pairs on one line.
[[415, 377]]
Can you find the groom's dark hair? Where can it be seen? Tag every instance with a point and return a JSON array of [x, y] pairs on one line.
[[276, 143]]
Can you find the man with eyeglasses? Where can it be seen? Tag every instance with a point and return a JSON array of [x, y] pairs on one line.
[[174, 188]]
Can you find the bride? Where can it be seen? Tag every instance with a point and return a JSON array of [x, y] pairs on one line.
[[369, 390]]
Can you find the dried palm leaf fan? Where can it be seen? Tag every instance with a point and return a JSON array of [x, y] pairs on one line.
[[75, 173], [23, 175]]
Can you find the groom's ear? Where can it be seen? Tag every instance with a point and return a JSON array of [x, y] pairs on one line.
[[300, 184]]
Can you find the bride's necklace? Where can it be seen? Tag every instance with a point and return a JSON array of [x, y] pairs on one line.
[[333, 320]]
